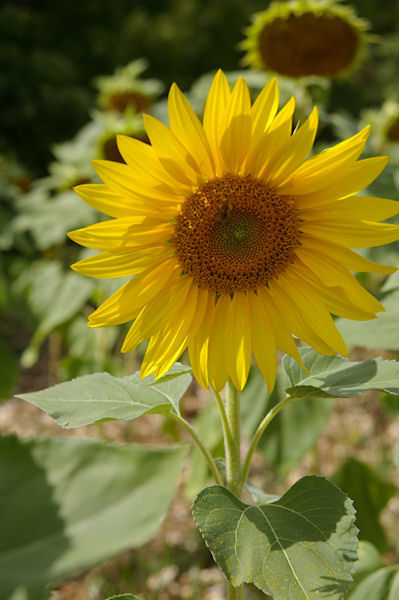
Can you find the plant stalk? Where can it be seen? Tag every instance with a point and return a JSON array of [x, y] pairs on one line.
[[233, 459]]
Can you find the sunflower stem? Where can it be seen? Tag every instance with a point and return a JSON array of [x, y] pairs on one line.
[[273, 412], [233, 459], [207, 455]]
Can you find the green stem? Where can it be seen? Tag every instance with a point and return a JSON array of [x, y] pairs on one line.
[[223, 417], [208, 456], [233, 459], [258, 434]]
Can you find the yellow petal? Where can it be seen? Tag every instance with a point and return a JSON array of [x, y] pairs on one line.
[[215, 115], [301, 324], [122, 180], [217, 361], [282, 333], [263, 340], [355, 207], [127, 302], [105, 200], [172, 155], [188, 129], [353, 235], [332, 297], [264, 109], [310, 175], [142, 159], [120, 264], [237, 135], [198, 344], [238, 348], [120, 234], [344, 256], [332, 274], [339, 185], [156, 315], [270, 143], [294, 152], [167, 345]]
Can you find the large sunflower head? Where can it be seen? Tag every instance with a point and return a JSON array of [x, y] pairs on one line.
[[305, 37], [237, 241]]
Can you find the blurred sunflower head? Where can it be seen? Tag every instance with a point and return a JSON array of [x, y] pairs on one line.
[[385, 127], [305, 38], [126, 90], [237, 241]]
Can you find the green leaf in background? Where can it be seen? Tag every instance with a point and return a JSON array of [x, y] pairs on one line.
[[301, 546], [370, 492], [339, 378], [207, 424], [291, 434], [9, 370], [369, 560], [381, 585], [382, 332], [93, 398], [66, 504]]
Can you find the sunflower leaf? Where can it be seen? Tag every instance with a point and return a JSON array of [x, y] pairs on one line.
[[382, 332], [123, 597], [337, 377], [303, 544], [380, 585], [93, 398], [76, 502]]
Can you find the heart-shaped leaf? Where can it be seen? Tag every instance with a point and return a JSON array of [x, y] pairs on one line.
[[337, 377], [92, 398], [303, 546], [66, 504]]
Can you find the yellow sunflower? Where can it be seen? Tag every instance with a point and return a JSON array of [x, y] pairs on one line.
[[305, 37], [236, 240]]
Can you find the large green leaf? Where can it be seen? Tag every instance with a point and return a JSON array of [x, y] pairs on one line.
[[369, 560], [92, 398], [370, 492], [381, 585], [66, 504], [302, 546], [335, 377], [292, 433], [382, 332]]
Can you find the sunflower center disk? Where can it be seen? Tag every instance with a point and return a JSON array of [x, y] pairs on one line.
[[308, 44], [235, 234]]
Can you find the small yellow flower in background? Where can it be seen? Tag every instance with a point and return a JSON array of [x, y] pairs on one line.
[[235, 238], [305, 37]]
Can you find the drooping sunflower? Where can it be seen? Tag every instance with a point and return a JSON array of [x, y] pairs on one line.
[[305, 37], [237, 241]]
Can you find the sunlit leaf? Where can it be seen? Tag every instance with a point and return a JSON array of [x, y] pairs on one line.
[[337, 377], [382, 332], [301, 546], [66, 504], [92, 398]]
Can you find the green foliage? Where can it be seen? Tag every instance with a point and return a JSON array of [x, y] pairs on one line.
[[305, 542], [370, 492], [336, 377], [380, 585], [291, 434], [76, 503], [382, 332], [369, 560], [9, 370], [93, 398]]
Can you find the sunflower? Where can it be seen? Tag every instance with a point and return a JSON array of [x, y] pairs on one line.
[[236, 240], [305, 37]]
